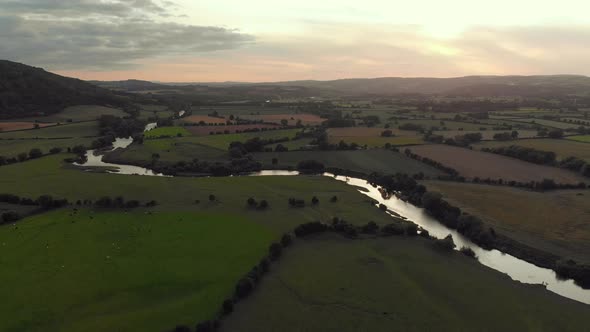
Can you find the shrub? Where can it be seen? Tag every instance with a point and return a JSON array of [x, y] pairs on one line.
[[314, 200], [382, 207], [446, 244], [264, 265], [207, 326], [411, 229], [370, 228], [244, 288], [132, 204], [35, 153], [286, 240], [294, 202], [310, 167], [10, 216], [104, 202], [79, 149], [151, 203], [55, 150], [251, 202], [393, 229], [334, 199], [212, 198], [182, 328], [228, 306], [274, 251], [467, 252], [310, 228], [263, 204]]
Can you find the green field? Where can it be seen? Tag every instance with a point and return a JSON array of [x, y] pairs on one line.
[[113, 271], [557, 221], [366, 161], [80, 113], [395, 284], [169, 150], [486, 134], [580, 138], [240, 110], [167, 131], [563, 148], [378, 141], [223, 141], [188, 148], [449, 125], [11, 148], [49, 175], [81, 129], [549, 123]]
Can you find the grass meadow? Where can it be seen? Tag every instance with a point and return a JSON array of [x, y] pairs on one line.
[[328, 283], [113, 271]]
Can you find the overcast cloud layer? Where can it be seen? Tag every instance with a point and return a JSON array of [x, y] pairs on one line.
[[184, 40], [85, 34]]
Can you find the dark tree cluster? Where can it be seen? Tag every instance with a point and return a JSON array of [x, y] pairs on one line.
[[506, 136], [342, 227], [43, 202], [408, 189], [296, 203], [543, 185], [453, 173], [464, 140], [320, 138], [527, 154], [400, 228], [113, 126], [542, 158], [570, 269], [446, 245], [246, 285], [196, 167], [118, 202], [310, 167], [253, 204], [256, 144], [309, 228]]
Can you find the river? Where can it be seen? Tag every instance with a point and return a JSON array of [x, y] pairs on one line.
[[516, 268]]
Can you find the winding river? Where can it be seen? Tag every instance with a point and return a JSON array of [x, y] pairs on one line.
[[516, 268]]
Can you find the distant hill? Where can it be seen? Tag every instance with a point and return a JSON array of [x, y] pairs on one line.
[[27, 91], [130, 85], [469, 86]]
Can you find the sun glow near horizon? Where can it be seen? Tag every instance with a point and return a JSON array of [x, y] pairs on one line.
[[187, 41]]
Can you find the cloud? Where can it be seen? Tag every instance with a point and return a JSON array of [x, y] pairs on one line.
[[103, 35], [83, 8]]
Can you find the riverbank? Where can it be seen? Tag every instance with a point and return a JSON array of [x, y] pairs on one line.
[[406, 190]]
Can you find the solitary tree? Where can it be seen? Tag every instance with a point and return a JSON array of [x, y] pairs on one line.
[[314, 200], [251, 202]]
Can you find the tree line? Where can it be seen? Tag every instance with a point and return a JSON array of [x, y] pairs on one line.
[[247, 284], [542, 158], [407, 189]]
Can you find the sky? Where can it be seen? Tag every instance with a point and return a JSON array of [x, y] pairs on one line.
[[263, 41]]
